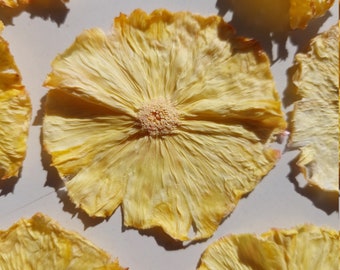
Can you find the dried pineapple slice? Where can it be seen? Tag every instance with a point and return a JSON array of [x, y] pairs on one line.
[[170, 115], [23, 3], [13, 3], [315, 120], [41, 243], [306, 247], [15, 114], [302, 11], [278, 15]]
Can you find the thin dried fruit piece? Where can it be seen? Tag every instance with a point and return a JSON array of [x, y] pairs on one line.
[[23, 3], [278, 15], [306, 247], [170, 115], [15, 114], [13, 3], [302, 11], [315, 120], [40, 243]]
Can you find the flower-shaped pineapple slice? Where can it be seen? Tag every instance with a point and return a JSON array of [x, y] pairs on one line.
[[41, 243], [315, 120], [170, 115], [306, 247], [15, 113]]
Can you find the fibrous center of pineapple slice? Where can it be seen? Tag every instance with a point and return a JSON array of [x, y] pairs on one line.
[[158, 117]]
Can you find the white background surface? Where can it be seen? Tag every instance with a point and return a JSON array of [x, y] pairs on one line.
[[278, 201]]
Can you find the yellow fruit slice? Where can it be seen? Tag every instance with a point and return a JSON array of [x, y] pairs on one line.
[[23, 3], [13, 3], [306, 247], [278, 15], [170, 115], [40, 243], [15, 108], [315, 120], [301, 12]]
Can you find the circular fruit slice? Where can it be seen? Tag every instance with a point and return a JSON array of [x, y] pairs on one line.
[[15, 114], [41, 243], [171, 116], [315, 120], [305, 247]]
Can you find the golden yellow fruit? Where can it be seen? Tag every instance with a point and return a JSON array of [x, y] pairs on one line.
[[13, 3], [302, 11], [15, 108], [40, 243], [24, 3], [306, 247], [315, 120], [171, 116], [278, 15]]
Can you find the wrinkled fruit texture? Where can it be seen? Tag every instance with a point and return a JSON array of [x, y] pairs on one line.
[[15, 114], [171, 116], [306, 247], [40, 243], [301, 12], [315, 120]]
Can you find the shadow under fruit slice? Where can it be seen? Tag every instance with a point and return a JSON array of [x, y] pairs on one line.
[[170, 115], [40, 243], [15, 114]]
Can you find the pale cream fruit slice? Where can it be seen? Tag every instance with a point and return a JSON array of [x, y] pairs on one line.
[[171, 115], [315, 119]]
